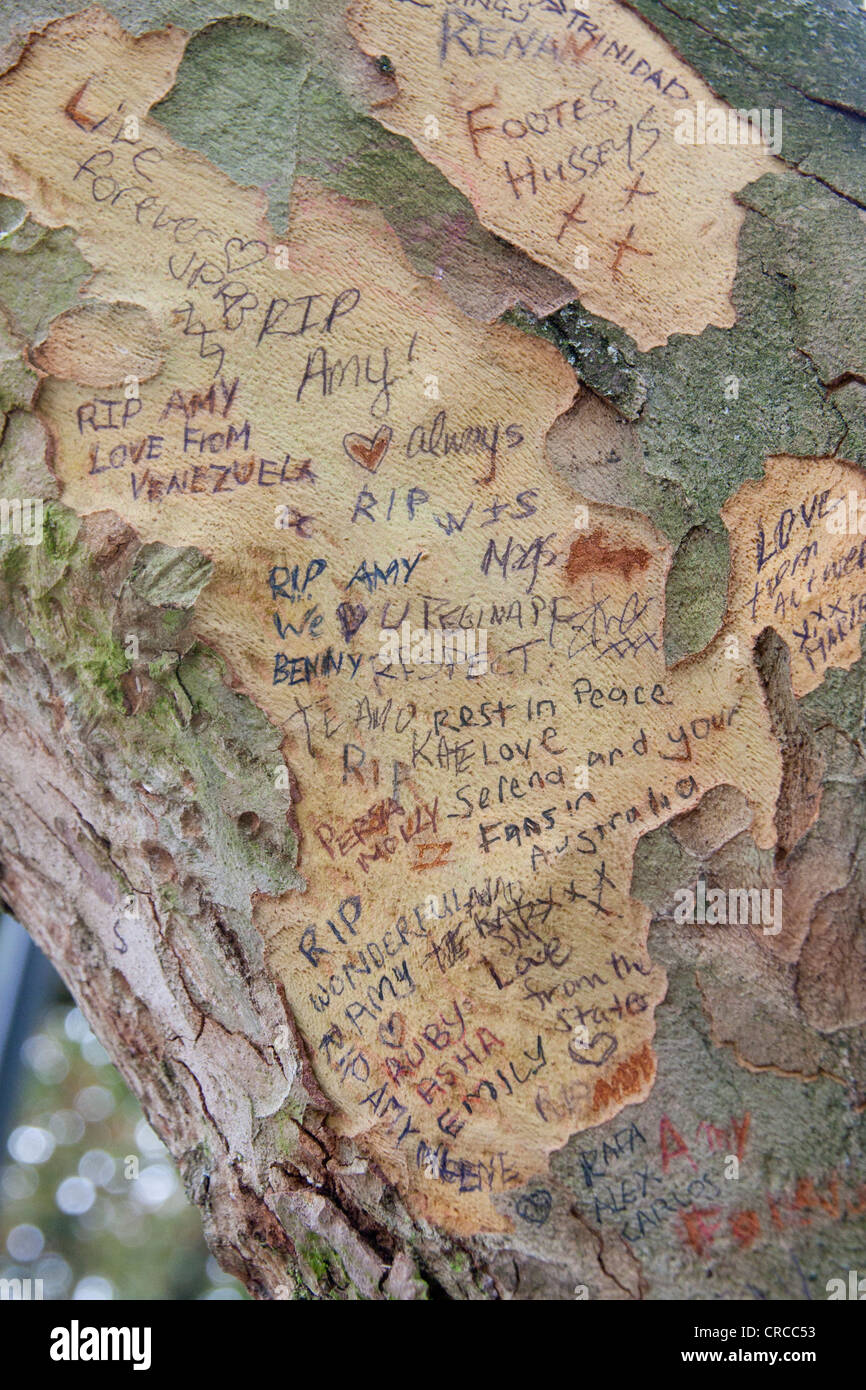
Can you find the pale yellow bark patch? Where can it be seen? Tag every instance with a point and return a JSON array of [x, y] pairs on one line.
[[101, 345], [798, 562], [560, 126]]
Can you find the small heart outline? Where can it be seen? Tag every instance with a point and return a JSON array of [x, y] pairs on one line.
[[582, 1053], [368, 453], [236, 240], [393, 1030]]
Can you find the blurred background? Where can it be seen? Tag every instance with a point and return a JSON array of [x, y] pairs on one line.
[[90, 1201]]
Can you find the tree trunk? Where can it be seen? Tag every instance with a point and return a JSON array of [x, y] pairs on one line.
[[526, 968]]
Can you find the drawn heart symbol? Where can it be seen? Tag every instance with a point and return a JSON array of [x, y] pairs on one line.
[[351, 617], [234, 260], [368, 452], [393, 1032], [586, 1054], [535, 1206]]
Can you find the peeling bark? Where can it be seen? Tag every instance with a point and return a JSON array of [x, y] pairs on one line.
[[156, 809]]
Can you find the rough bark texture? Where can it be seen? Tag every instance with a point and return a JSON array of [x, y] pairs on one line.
[[140, 822]]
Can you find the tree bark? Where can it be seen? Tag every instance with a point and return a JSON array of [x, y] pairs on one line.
[[145, 831]]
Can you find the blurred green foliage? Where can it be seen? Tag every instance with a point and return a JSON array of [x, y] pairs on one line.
[[90, 1201]]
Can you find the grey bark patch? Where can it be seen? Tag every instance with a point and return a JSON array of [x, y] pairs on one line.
[[236, 100], [722, 813], [169, 576], [696, 591], [805, 59]]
